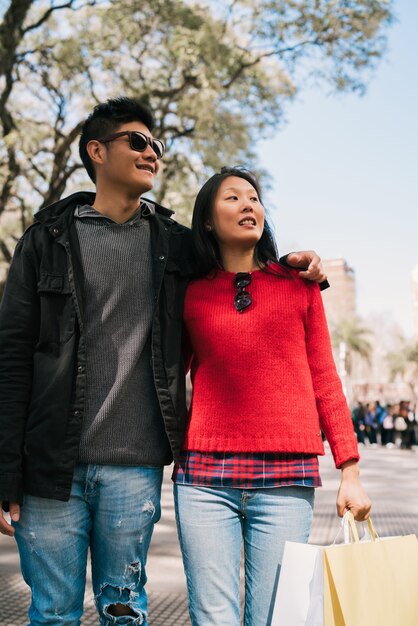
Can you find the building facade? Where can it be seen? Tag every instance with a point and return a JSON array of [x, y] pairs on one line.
[[340, 300]]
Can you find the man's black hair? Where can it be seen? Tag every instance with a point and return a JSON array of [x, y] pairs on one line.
[[106, 118]]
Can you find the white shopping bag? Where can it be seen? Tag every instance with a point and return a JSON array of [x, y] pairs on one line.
[[300, 593]]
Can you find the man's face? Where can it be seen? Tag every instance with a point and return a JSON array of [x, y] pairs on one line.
[[124, 168]]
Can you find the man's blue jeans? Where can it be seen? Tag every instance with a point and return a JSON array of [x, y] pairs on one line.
[[214, 524], [112, 510]]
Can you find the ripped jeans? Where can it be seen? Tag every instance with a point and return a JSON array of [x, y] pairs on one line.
[[112, 510]]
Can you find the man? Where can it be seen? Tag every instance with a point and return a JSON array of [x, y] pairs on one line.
[[92, 396]]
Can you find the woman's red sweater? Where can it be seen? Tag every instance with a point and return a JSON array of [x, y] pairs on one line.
[[264, 380]]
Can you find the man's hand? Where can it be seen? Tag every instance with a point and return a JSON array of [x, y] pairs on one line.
[[5, 527], [351, 495], [310, 260]]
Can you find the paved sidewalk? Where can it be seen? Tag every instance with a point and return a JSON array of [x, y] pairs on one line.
[[390, 477]]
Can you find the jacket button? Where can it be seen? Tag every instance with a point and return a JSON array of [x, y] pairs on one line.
[[80, 368], [77, 413], [55, 231], [161, 257]]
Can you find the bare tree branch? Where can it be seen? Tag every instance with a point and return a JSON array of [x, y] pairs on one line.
[[4, 249], [68, 5], [244, 65]]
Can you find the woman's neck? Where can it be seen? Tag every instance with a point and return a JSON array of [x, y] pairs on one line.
[[238, 261]]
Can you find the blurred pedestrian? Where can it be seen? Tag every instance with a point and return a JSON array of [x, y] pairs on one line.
[[408, 429], [387, 429], [371, 423], [358, 421]]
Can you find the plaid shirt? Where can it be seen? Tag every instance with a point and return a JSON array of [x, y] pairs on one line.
[[247, 470]]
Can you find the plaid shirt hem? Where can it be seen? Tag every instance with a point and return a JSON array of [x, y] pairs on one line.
[[247, 470]]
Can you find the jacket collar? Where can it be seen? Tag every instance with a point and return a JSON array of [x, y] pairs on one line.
[[67, 205]]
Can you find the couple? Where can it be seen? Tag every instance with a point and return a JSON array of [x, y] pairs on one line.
[[93, 358]]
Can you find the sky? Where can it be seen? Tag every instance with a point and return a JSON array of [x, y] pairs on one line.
[[345, 176]]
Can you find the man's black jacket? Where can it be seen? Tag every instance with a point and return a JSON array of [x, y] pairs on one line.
[[42, 348]]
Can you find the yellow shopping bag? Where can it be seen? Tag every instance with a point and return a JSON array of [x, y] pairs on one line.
[[371, 583]]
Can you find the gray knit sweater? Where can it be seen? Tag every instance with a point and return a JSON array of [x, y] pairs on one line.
[[122, 419]]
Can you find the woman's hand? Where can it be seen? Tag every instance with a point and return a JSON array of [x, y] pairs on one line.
[[351, 495]]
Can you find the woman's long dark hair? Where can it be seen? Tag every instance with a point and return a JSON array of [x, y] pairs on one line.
[[208, 257]]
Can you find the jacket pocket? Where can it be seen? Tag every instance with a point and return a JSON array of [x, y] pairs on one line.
[[57, 312]]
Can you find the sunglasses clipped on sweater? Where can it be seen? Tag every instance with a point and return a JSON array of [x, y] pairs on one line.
[[138, 141], [242, 298]]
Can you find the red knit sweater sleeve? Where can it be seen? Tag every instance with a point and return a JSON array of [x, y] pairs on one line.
[[334, 414]]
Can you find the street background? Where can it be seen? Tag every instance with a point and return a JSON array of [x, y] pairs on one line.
[[389, 476]]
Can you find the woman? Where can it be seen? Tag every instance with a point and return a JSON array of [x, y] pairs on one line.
[[264, 386]]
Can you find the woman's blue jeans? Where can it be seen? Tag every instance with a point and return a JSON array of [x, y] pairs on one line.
[[213, 526], [112, 510]]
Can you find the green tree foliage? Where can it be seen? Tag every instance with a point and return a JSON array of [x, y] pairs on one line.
[[354, 336], [217, 74], [404, 363]]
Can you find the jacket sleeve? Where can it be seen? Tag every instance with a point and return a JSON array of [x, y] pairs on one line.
[[334, 414], [19, 328]]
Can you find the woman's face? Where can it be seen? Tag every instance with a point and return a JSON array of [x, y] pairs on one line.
[[237, 215]]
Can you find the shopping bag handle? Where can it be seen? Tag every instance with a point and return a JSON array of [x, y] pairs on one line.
[[350, 529]]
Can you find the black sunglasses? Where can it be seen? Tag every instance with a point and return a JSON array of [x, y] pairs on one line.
[[242, 299], [138, 141]]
